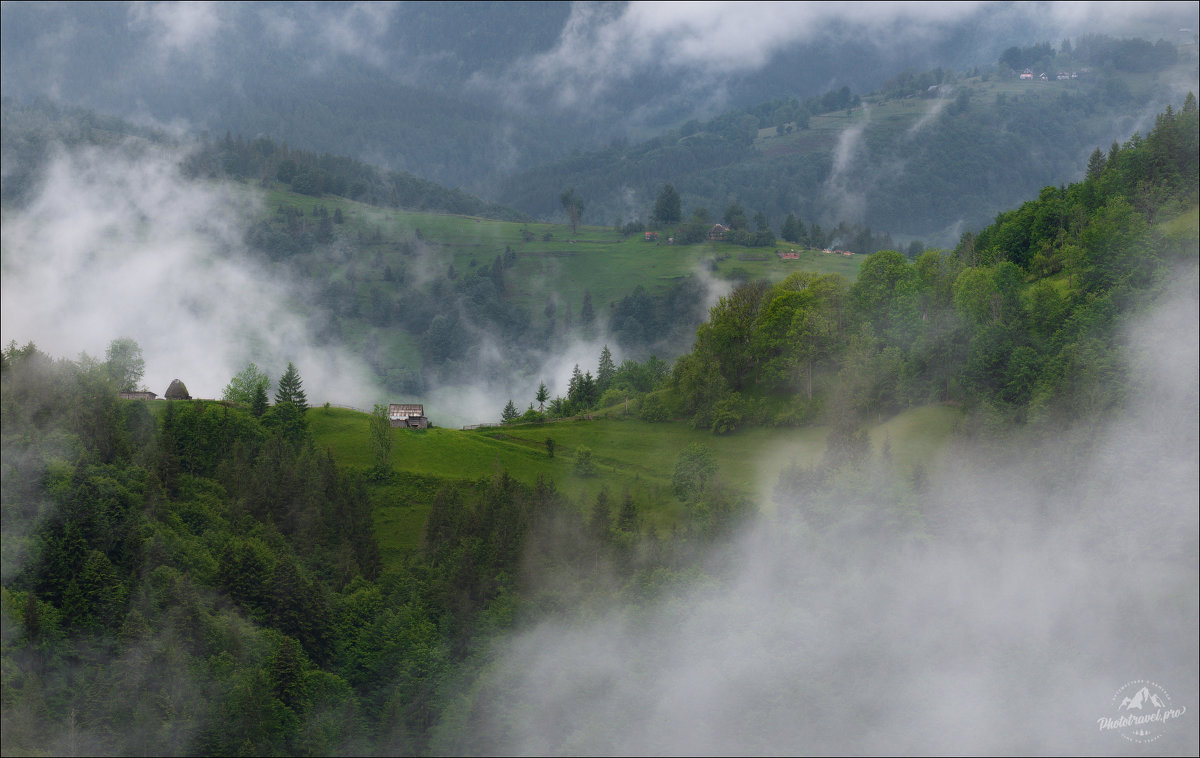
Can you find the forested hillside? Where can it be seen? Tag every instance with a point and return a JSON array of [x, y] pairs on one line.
[[33, 131], [925, 156], [1021, 319], [188, 577]]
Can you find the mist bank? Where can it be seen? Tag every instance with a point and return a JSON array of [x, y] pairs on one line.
[[500, 89], [116, 241], [236, 270], [926, 155], [993, 605]]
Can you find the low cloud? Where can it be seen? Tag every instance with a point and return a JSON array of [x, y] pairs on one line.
[[842, 197], [179, 29], [357, 30], [712, 44], [117, 242], [1042, 577], [603, 44]]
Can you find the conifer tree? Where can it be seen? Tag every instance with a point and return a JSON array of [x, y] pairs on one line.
[[509, 414], [290, 389], [627, 517], [788, 231], [1095, 165], [587, 316], [258, 404], [598, 521], [574, 386], [667, 209], [605, 371]]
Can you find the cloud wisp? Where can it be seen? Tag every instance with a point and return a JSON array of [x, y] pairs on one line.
[[1040, 579], [117, 242]]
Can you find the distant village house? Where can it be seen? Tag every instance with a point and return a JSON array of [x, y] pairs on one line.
[[407, 415], [140, 395], [717, 232]]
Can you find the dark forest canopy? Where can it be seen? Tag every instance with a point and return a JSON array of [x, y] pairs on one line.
[[32, 130]]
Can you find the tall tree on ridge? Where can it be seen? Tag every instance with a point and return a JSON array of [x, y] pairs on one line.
[[290, 389]]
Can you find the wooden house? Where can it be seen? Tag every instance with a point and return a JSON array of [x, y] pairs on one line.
[[717, 232], [408, 415], [140, 395]]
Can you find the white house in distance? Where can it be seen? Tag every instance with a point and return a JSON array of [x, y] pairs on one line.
[[408, 415]]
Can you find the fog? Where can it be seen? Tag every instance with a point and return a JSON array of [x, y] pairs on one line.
[[714, 45], [117, 242], [996, 609], [579, 74]]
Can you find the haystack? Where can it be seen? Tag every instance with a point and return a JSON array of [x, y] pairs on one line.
[[177, 391]]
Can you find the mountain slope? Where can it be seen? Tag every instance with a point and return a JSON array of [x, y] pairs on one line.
[[928, 156]]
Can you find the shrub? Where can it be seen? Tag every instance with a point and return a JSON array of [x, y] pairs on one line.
[[653, 408], [727, 414], [584, 465]]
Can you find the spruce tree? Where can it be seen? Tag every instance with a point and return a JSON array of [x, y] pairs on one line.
[[605, 371], [627, 518], [598, 520], [574, 387], [509, 414], [667, 208], [587, 316], [290, 389], [258, 404], [1095, 165], [788, 231]]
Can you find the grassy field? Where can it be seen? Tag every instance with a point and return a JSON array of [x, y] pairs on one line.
[[549, 258], [629, 454]]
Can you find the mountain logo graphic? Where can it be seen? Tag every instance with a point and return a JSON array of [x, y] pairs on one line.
[[1140, 699], [1141, 711]]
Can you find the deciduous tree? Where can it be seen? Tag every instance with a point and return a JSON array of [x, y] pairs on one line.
[[124, 363], [244, 387], [694, 469]]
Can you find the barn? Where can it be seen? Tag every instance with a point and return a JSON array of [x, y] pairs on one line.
[[408, 415]]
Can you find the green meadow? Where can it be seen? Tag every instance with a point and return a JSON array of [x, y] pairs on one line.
[[629, 454], [549, 257]]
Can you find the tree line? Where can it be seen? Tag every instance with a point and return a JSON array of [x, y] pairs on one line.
[[1019, 319]]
